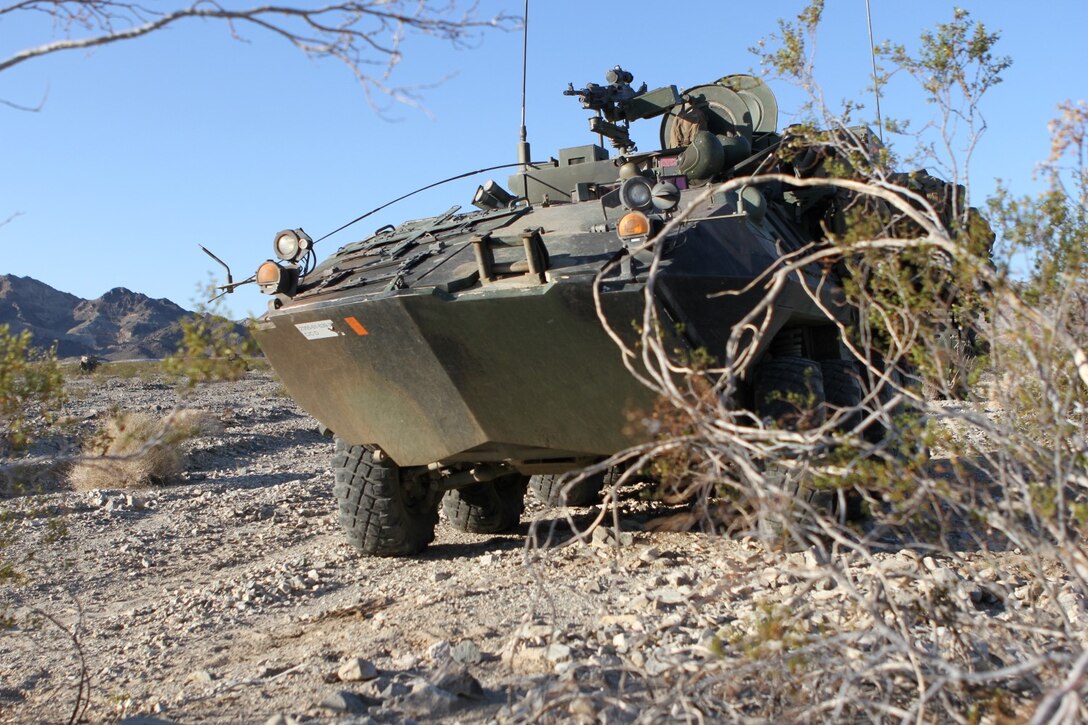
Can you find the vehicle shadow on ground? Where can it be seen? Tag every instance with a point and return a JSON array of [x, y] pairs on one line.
[[469, 550], [237, 422], [548, 531]]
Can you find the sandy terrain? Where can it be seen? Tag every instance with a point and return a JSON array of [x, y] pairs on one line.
[[233, 597]]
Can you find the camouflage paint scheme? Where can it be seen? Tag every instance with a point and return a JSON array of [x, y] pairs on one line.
[[400, 341]]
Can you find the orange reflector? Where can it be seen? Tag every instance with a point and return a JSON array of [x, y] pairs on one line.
[[356, 326], [633, 224]]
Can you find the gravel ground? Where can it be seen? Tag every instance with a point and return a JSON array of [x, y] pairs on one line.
[[233, 597]]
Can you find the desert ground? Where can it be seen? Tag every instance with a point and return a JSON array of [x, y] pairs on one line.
[[232, 596]]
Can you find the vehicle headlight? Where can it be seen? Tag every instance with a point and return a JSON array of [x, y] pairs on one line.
[[291, 244], [636, 194], [666, 196]]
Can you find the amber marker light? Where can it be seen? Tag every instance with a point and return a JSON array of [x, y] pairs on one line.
[[633, 224], [270, 277]]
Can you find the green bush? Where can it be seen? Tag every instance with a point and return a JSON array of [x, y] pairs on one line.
[[31, 389], [211, 349]]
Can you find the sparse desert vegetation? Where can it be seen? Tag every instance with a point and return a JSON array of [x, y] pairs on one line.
[[135, 449]]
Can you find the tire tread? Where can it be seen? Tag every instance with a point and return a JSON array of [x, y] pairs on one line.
[[372, 510]]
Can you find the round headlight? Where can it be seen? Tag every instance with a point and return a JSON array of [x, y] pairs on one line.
[[290, 244], [286, 245], [635, 193], [274, 279], [270, 277]]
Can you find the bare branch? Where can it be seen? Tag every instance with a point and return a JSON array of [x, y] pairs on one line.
[[365, 36], [11, 218], [30, 109]]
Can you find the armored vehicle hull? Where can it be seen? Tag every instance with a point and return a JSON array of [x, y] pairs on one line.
[[454, 356], [519, 369]]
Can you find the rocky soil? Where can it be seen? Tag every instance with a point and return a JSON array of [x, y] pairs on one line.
[[233, 597]]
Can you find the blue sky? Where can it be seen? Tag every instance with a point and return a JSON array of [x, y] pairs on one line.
[[147, 147]]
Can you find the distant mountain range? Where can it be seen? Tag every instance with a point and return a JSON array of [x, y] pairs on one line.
[[119, 325]]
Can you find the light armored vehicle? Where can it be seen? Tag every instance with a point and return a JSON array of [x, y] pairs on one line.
[[456, 356]]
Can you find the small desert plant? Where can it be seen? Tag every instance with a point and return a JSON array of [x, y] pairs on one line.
[[136, 449], [31, 388], [259, 363], [211, 349]]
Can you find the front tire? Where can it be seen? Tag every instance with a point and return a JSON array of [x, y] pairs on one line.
[[796, 394], [382, 511]]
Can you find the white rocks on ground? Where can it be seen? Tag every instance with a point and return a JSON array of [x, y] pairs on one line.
[[233, 594]]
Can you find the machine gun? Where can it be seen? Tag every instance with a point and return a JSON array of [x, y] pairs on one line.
[[617, 104]]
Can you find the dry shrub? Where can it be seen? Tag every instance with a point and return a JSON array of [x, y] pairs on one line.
[[962, 595], [136, 449]]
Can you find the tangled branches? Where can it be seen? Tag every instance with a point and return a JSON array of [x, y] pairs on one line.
[[988, 496]]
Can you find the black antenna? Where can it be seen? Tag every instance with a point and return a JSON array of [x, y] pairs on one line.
[[876, 82], [523, 144]]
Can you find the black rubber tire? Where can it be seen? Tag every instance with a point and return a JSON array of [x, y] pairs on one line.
[[789, 393], [905, 439], [381, 514], [487, 508], [549, 488], [793, 393], [877, 432], [842, 389]]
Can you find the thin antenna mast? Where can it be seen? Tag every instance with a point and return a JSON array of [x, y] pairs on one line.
[[876, 82], [523, 143]]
